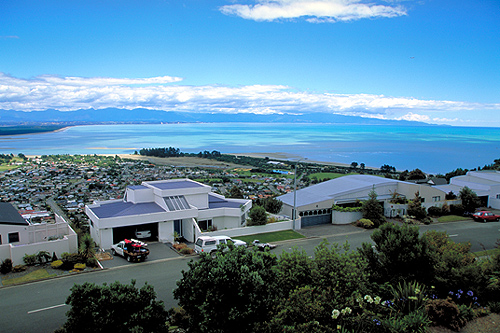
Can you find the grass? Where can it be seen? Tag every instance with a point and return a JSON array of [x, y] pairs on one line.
[[452, 218], [329, 175], [270, 237], [33, 276]]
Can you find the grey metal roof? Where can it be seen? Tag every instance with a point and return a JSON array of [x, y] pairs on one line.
[[329, 189], [174, 185], [217, 202], [9, 215], [137, 187], [121, 208]]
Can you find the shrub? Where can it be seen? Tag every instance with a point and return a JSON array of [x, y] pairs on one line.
[[257, 216], [346, 209], [427, 220], [445, 209], [186, 250], [56, 264], [179, 247], [80, 267], [457, 209], [19, 268], [6, 266], [178, 317], [444, 312], [30, 259], [365, 223], [92, 262], [494, 307], [466, 313], [408, 297], [54, 256], [434, 211]]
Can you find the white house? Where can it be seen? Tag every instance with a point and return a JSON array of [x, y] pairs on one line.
[[18, 237], [164, 207], [314, 203], [486, 184]]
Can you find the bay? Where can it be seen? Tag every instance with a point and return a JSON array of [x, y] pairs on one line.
[[433, 149]]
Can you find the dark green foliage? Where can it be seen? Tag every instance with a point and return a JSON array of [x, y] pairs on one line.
[[257, 216], [469, 198], [6, 266], [457, 209], [415, 207], [273, 205], [444, 312], [87, 247], [235, 192], [178, 317], [416, 174], [450, 196], [373, 210], [228, 293], [434, 211], [455, 267], [114, 308], [398, 251], [293, 270], [457, 172], [70, 259], [387, 168]]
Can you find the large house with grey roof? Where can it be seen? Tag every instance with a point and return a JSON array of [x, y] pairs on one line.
[[165, 207], [486, 184], [314, 203]]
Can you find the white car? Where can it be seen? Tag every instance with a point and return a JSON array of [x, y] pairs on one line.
[[208, 244], [142, 234]]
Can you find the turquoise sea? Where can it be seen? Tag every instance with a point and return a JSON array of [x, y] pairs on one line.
[[433, 149]]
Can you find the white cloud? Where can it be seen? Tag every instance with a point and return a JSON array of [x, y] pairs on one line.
[[314, 11], [72, 93]]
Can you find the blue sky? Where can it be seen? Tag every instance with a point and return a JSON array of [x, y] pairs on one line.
[[436, 61]]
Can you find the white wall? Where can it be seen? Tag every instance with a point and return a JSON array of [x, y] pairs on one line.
[[166, 231], [258, 229], [6, 229], [345, 217], [140, 195]]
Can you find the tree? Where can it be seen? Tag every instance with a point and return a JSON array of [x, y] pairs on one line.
[[354, 164], [399, 254], [228, 293], [235, 192], [387, 168], [362, 166], [416, 174], [114, 308], [257, 216], [415, 207], [87, 246], [273, 205], [372, 209], [470, 200]]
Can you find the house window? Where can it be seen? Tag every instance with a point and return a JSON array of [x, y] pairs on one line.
[[0, 239], [205, 224], [438, 198], [13, 237], [498, 196]]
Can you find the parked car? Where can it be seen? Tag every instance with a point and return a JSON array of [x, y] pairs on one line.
[[208, 244], [263, 246], [142, 234], [131, 249], [485, 216]]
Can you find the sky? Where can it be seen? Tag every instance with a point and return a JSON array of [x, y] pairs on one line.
[[436, 61]]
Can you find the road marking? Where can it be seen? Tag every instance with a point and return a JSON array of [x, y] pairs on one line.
[[49, 308], [453, 235]]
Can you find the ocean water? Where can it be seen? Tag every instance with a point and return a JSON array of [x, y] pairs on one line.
[[433, 149]]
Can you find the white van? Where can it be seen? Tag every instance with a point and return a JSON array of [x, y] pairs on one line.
[[208, 244]]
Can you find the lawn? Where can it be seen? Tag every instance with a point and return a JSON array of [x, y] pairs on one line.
[[33, 276], [270, 237], [329, 175], [452, 218]]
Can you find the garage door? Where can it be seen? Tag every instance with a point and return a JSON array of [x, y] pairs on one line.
[[309, 221]]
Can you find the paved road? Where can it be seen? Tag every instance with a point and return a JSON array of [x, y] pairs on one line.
[[39, 307]]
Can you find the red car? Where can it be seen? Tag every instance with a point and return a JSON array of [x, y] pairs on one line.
[[485, 216]]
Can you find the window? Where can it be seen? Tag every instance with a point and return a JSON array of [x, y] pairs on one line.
[[438, 198], [0, 239], [205, 224], [498, 196], [13, 237]]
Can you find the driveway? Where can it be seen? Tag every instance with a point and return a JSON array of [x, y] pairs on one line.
[[157, 251]]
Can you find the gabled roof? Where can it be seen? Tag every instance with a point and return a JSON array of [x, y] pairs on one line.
[[9, 215], [329, 189], [121, 208]]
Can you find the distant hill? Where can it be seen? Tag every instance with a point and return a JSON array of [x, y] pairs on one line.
[[113, 115]]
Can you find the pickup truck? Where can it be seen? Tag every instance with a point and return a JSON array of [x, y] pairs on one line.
[[263, 246], [131, 249]]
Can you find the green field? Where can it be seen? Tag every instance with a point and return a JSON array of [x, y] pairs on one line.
[[33, 276], [329, 175], [452, 218], [270, 237]]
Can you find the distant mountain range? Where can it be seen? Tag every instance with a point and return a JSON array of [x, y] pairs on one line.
[[121, 116]]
